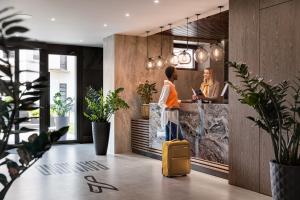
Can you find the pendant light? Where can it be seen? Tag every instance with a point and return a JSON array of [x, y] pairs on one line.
[[200, 55], [172, 59], [184, 57], [159, 62], [149, 64], [217, 52]]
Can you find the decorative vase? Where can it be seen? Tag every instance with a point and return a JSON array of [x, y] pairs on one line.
[[100, 136], [145, 111], [61, 121], [285, 181]]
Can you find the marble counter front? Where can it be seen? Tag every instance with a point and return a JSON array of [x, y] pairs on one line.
[[205, 126]]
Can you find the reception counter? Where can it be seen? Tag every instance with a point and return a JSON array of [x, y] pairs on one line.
[[205, 126]]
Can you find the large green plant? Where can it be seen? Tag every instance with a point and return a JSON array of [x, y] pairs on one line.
[[61, 106], [276, 116], [145, 91], [16, 96], [101, 107]]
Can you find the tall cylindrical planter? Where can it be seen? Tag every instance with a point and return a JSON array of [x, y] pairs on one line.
[[145, 111], [285, 181], [100, 136], [61, 121]]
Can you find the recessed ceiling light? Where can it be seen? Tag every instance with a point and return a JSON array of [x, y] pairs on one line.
[[105, 25], [52, 19], [127, 14], [156, 1], [80, 40]]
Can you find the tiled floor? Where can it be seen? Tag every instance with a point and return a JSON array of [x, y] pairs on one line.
[[136, 178]]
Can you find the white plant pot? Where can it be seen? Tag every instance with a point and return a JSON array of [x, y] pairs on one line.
[[61, 121]]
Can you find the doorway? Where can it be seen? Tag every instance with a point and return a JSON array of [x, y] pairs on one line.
[[63, 94]]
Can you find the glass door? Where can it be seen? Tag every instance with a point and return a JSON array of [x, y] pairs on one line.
[[29, 70], [63, 93]]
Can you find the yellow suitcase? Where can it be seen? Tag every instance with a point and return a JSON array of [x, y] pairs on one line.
[[176, 158]]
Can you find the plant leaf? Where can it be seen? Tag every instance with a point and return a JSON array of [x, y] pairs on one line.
[[3, 180], [27, 107], [16, 29], [15, 39], [56, 135], [13, 21], [13, 168], [6, 9], [5, 70]]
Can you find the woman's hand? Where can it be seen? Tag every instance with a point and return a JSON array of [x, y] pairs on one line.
[[195, 97]]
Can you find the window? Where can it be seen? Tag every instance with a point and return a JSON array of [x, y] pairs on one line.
[[63, 90], [178, 48], [63, 62]]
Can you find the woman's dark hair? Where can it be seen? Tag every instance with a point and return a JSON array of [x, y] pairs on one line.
[[169, 71]]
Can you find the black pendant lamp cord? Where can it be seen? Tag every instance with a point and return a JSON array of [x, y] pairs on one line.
[[161, 40], [197, 30], [147, 32], [187, 33], [220, 18], [170, 25]]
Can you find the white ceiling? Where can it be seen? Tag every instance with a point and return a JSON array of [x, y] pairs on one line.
[[80, 22]]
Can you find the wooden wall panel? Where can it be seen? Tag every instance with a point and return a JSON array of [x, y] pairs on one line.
[[297, 36], [244, 138], [130, 55], [274, 49], [277, 63]]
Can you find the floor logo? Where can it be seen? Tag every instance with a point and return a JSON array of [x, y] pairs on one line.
[[97, 187], [67, 167]]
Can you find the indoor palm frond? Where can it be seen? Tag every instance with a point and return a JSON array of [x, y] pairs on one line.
[[101, 107]]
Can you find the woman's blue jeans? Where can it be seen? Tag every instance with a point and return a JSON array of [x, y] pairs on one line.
[[173, 128]]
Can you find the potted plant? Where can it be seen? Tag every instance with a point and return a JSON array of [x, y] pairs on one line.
[[61, 107], [100, 108], [278, 114], [145, 91]]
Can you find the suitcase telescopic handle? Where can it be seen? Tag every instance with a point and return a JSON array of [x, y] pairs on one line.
[[177, 126]]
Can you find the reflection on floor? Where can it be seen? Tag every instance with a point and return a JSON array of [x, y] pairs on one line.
[[74, 172]]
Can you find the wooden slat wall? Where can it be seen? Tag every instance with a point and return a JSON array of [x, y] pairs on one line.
[[266, 35], [277, 63], [244, 138], [140, 142], [214, 27]]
